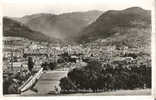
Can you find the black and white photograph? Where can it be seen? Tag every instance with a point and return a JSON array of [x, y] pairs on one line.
[[79, 48]]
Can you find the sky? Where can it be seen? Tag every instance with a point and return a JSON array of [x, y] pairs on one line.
[[19, 8]]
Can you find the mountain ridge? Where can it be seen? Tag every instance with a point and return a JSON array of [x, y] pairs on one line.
[[131, 22], [118, 27], [16, 29], [62, 26]]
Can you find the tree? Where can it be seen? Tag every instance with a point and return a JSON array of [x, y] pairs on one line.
[[6, 84], [88, 77], [44, 66], [30, 63], [52, 65], [111, 75]]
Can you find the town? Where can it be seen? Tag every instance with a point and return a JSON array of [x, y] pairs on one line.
[[19, 52]]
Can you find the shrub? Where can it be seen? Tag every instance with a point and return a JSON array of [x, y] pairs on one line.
[[66, 85]]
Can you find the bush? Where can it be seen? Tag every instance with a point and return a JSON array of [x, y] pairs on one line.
[[66, 85]]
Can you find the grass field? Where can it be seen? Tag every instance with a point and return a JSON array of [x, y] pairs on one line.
[[144, 92], [138, 92]]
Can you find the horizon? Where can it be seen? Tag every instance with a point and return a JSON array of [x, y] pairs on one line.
[[73, 12], [19, 9]]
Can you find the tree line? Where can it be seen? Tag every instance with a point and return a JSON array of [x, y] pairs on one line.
[[109, 76]]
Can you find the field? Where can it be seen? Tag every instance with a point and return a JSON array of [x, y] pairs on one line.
[[47, 82], [139, 92]]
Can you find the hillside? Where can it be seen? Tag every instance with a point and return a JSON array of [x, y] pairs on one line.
[[16, 29], [130, 27], [63, 26]]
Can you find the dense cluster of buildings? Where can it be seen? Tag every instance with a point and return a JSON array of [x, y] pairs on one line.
[[16, 51]]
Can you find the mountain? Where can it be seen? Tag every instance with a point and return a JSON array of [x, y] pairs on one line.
[[63, 26], [130, 27], [17, 29]]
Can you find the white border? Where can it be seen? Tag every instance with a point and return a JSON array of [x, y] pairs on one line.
[[1, 46], [153, 50], [153, 45]]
